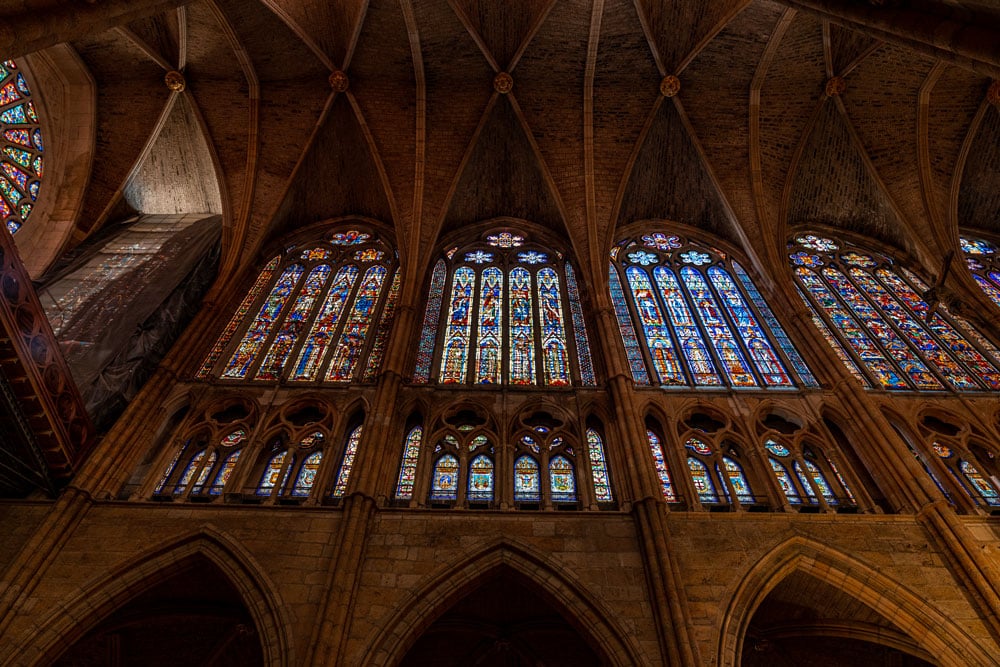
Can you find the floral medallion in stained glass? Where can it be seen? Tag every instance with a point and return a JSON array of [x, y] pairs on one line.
[[22, 163]]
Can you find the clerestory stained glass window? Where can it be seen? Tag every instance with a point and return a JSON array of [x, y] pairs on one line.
[[805, 476], [599, 467], [703, 320], [408, 467], [324, 317], [662, 470], [882, 325], [983, 259], [504, 310], [21, 163]]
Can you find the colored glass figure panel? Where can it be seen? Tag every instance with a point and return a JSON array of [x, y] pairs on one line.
[[768, 364], [255, 337], [699, 359], [982, 486], [804, 480], [293, 324], [169, 471], [562, 482], [206, 470], [455, 358], [857, 337], [698, 446], [599, 467], [20, 148], [351, 237], [444, 481], [352, 338], [820, 481], [662, 471], [527, 480], [185, 479], [953, 340], [834, 342], [579, 329], [408, 467], [629, 339], [225, 472], [505, 240], [307, 475], [324, 327], [555, 357], [522, 327], [702, 481], [991, 290], [913, 331], [425, 352], [843, 484], [737, 480], [785, 482], [971, 246], [489, 360], [347, 463], [384, 327], [654, 325], [481, 479], [263, 279], [731, 357], [771, 322], [272, 475]]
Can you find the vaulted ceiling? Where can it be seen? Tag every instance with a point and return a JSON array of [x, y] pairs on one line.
[[583, 144]]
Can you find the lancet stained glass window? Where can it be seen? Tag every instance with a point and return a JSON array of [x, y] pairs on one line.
[[662, 470], [21, 163], [347, 462], [876, 311], [599, 467], [703, 320], [511, 314], [408, 467], [325, 316], [983, 259]]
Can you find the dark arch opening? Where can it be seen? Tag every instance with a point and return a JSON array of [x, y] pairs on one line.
[[194, 617], [805, 621], [504, 622]]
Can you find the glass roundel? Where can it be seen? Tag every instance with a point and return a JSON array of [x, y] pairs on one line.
[[320, 312], [983, 259], [691, 316], [504, 310], [21, 162], [873, 314]]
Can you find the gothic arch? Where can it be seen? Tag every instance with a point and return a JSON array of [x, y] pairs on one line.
[[93, 603], [442, 590], [940, 637]]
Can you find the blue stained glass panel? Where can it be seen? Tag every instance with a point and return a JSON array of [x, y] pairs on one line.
[[323, 328], [307, 475], [992, 291], [702, 481], [579, 329], [662, 471], [225, 472], [489, 360], [555, 357], [985, 490], [458, 329], [293, 324], [352, 339], [444, 481], [698, 358], [347, 463], [481, 479], [810, 494], [203, 475], [425, 352], [408, 468], [562, 483], [527, 482], [785, 482], [722, 338], [599, 467], [272, 473], [734, 472], [658, 341], [820, 480], [632, 351]]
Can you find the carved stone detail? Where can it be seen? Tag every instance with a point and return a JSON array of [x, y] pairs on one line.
[[339, 81], [670, 86], [503, 83], [835, 86], [175, 81]]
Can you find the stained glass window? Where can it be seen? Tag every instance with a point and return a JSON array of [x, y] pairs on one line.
[[188, 473], [165, 477], [810, 476], [347, 462], [444, 482], [701, 326], [272, 473], [325, 317], [703, 484], [562, 482], [882, 324], [527, 483], [225, 472], [307, 475], [513, 316], [481, 479], [813, 473], [408, 468], [662, 471], [599, 467], [785, 482], [737, 480], [983, 259], [980, 484], [21, 161]]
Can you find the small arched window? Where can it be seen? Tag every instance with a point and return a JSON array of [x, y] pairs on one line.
[[21, 162], [983, 259], [481, 479], [199, 468], [703, 320], [872, 311], [444, 482], [660, 462], [716, 478], [599, 467], [291, 471], [807, 478], [511, 315], [967, 474], [408, 466], [347, 462], [527, 481], [325, 317]]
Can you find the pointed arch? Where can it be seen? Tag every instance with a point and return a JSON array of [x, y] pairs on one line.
[[96, 602], [949, 644], [451, 583]]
